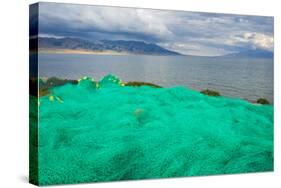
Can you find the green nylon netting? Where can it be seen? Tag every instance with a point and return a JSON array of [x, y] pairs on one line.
[[104, 131]]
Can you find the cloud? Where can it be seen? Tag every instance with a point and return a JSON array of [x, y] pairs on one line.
[[50, 36], [69, 19], [259, 40], [196, 49], [186, 32]]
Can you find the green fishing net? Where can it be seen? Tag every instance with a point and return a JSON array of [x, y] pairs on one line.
[[103, 131]]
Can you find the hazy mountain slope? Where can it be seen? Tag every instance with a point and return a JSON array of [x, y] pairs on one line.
[[135, 47]]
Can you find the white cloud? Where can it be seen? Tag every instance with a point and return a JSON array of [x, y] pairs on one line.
[[50, 35], [256, 40], [195, 49], [260, 40]]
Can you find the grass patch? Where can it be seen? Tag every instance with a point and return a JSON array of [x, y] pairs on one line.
[[262, 101], [54, 81], [45, 86], [137, 84], [210, 92]]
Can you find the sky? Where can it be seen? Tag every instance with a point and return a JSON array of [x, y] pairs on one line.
[[189, 33]]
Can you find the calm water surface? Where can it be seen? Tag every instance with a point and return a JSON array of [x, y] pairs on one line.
[[234, 77]]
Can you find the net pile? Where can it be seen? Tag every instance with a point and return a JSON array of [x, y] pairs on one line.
[[103, 131]]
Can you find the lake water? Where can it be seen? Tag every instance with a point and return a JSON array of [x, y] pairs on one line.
[[234, 77]]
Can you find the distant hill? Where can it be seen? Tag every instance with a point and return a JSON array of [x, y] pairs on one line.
[[134, 47], [258, 53]]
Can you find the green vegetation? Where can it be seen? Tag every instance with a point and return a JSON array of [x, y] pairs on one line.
[[46, 85], [136, 84], [54, 81], [210, 93], [44, 91], [262, 101]]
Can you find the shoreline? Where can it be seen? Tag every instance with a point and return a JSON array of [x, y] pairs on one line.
[[92, 52], [50, 82], [79, 51]]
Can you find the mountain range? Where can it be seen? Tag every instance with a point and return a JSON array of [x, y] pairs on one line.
[[127, 47], [121, 46]]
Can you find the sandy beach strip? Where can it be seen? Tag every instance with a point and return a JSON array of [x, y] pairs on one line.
[[79, 51]]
